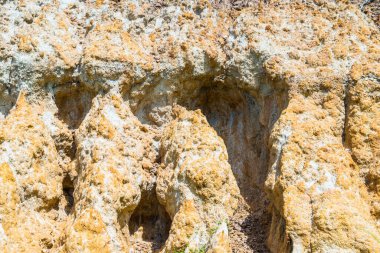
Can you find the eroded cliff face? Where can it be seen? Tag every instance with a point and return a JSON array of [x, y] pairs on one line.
[[184, 126]]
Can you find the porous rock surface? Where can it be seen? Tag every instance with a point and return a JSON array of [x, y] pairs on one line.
[[185, 126]]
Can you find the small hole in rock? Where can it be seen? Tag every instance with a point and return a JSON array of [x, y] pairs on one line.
[[73, 102], [149, 225], [68, 191]]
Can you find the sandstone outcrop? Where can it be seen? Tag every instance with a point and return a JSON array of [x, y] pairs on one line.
[[189, 126], [196, 186]]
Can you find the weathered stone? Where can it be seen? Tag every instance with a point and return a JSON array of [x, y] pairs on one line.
[[174, 126]]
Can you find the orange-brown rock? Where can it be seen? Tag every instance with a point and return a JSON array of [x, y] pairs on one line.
[[189, 126]]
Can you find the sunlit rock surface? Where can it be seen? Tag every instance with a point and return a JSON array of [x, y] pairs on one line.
[[189, 126]]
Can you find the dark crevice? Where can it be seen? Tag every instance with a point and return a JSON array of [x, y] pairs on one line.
[[68, 191], [149, 224]]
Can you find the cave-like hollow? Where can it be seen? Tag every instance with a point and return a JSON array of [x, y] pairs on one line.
[[149, 224], [73, 103], [244, 119]]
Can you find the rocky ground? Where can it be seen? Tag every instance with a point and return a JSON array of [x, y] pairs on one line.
[[249, 227]]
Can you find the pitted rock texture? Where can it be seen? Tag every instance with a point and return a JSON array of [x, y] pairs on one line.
[[189, 126], [196, 186]]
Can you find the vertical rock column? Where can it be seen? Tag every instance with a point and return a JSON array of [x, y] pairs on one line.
[[196, 184], [363, 125], [111, 148], [320, 202], [30, 181]]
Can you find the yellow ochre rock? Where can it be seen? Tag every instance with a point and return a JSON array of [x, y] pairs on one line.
[[189, 126]]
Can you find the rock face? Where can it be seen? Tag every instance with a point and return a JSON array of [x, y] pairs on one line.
[[196, 184], [187, 126]]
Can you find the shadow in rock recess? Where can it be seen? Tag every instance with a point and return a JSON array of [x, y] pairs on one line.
[[244, 120]]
